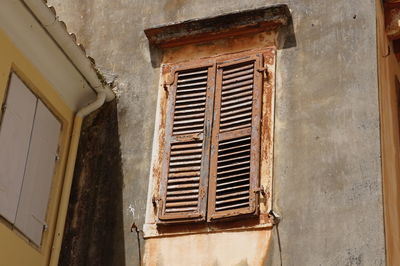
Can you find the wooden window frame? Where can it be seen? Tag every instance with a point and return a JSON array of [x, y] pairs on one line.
[[206, 209]]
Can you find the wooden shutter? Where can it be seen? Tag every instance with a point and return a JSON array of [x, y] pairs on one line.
[[235, 158], [34, 198], [15, 132], [184, 176]]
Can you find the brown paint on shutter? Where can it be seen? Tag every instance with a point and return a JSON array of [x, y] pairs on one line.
[[184, 177], [235, 150]]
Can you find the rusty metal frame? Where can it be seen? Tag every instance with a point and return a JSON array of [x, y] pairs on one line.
[[254, 132], [200, 213]]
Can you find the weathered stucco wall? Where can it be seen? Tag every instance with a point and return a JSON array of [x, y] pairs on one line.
[[327, 154]]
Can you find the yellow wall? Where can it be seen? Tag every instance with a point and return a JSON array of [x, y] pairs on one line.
[[390, 141], [15, 249]]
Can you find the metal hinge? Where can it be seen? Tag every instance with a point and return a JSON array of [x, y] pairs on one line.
[[45, 226], [260, 190], [169, 80], [262, 69], [157, 205], [3, 108], [156, 201]]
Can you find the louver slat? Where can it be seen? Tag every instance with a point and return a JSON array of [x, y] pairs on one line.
[[234, 161], [185, 166]]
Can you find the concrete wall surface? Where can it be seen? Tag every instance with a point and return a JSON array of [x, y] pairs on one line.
[[327, 174]]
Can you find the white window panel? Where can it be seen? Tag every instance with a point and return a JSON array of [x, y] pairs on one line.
[[15, 132], [31, 213]]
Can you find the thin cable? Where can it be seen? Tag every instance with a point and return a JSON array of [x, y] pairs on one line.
[[279, 243], [134, 227]]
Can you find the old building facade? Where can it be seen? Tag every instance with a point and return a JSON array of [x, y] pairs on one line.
[[326, 151]]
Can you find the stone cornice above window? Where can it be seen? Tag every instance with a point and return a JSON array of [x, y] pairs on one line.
[[193, 31]]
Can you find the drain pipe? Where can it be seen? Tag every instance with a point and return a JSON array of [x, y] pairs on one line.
[[101, 98], [64, 200]]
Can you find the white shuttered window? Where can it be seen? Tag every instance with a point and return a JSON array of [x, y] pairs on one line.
[[15, 132], [29, 135]]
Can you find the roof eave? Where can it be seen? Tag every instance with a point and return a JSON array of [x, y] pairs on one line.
[[75, 52]]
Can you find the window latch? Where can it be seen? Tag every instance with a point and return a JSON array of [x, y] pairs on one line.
[[202, 192]]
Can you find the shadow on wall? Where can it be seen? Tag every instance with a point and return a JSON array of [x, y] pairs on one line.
[[94, 228]]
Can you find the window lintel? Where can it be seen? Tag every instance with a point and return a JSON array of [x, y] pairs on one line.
[[270, 18]]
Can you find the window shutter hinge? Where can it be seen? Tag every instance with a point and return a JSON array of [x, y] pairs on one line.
[[262, 69], [260, 190], [43, 223], [156, 201], [169, 80], [165, 86], [3, 108]]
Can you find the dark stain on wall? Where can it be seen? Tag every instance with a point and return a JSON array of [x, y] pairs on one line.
[[94, 227]]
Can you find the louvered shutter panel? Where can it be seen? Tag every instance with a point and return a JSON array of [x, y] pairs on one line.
[[234, 162], [184, 176]]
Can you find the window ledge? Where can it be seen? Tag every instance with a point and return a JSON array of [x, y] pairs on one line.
[[152, 230]]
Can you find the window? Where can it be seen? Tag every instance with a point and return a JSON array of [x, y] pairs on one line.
[[29, 136], [211, 159]]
